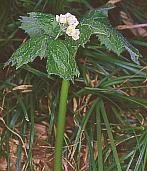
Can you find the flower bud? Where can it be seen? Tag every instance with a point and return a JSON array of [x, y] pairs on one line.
[[61, 19]]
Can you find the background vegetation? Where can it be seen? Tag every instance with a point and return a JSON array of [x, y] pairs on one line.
[[106, 117]]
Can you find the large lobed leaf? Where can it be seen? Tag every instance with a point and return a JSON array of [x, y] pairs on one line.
[[28, 51], [61, 60], [60, 56], [97, 20], [38, 24]]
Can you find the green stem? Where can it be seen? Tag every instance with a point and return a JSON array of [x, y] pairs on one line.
[[60, 126]]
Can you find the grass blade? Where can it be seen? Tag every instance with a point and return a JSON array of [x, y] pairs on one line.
[[107, 124], [29, 159], [19, 150], [82, 127], [99, 138]]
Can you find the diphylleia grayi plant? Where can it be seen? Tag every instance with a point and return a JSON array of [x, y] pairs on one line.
[[58, 38]]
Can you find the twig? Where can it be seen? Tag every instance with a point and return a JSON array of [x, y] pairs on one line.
[[114, 1], [15, 134], [122, 27]]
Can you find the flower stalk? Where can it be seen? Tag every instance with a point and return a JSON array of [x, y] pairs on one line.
[[60, 125]]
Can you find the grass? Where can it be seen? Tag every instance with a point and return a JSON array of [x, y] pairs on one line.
[[106, 114]]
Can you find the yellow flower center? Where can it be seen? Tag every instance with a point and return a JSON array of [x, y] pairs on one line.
[[70, 30]]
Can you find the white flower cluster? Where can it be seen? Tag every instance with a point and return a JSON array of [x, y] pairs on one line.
[[72, 22]]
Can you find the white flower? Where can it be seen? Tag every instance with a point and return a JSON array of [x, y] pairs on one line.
[[57, 18], [71, 19], [76, 23], [61, 19], [74, 33], [70, 30]]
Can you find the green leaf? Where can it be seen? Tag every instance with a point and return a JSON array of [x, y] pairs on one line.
[[61, 56], [97, 20], [61, 60], [28, 51], [38, 23], [117, 43]]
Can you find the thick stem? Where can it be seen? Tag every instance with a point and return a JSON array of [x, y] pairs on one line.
[[60, 126]]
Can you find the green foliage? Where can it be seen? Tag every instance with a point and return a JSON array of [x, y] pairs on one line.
[[61, 59], [38, 24], [44, 30], [98, 22], [28, 51]]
